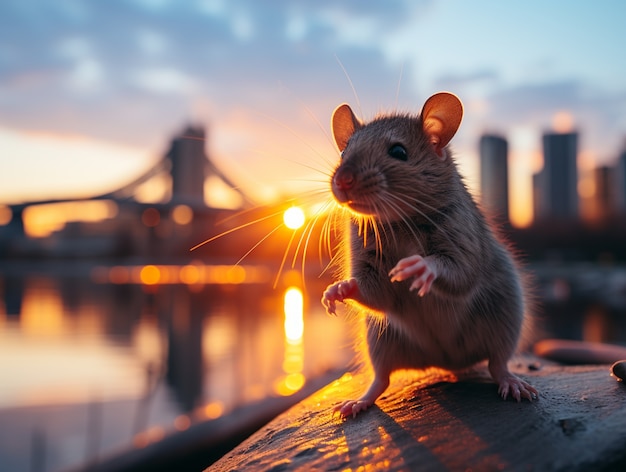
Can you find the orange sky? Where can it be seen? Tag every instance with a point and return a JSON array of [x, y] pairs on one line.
[[273, 159]]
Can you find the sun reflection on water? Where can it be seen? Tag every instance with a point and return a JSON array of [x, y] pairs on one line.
[[294, 315], [293, 363]]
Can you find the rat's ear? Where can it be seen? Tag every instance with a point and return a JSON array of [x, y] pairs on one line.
[[441, 115], [343, 124]]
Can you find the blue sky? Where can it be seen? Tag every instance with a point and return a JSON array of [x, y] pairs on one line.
[[91, 91]]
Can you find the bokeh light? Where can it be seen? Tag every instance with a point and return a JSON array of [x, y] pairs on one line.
[[5, 215], [151, 217], [150, 275], [182, 214]]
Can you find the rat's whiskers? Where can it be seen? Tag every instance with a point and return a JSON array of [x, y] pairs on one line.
[[237, 228]]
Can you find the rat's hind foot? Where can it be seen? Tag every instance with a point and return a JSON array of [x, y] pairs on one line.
[[351, 408], [510, 384]]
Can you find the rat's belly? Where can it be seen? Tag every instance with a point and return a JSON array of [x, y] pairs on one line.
[[424, 339]]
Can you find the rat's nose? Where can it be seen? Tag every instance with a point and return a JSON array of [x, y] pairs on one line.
[[344, 179]]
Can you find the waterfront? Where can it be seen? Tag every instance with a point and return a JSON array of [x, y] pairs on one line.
[[94, 358], [90, 365]]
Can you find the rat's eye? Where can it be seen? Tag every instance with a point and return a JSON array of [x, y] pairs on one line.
[[397, 151]]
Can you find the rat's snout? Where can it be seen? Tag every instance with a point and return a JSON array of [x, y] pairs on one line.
[[342, 184], [343, 179]]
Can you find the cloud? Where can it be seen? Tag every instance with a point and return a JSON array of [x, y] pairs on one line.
[[163, 80], [107, 61], [597, 113], [483, 77], [533, 102]]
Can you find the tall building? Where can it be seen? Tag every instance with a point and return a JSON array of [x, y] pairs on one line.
[[620, 184], [603, 202], [494, 172], [556, 186]]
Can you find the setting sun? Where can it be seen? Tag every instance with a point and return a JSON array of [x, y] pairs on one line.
[[294, 217]]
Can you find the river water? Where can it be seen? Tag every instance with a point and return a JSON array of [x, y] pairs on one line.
[[97, 358]]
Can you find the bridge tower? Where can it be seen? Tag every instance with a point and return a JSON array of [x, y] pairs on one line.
[[189, 166]]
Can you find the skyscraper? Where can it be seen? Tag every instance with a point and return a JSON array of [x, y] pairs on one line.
[[556, 186], [620, 184], [494, 186], [603, 202]]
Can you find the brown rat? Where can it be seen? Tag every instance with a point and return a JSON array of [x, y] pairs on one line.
[[438, 287]]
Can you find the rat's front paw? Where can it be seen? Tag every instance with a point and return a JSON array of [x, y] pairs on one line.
[[338, 292], [417, 267]]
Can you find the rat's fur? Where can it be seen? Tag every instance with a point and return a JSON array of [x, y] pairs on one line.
[[459, 298]]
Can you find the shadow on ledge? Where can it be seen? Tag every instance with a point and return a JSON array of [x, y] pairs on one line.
[[433, 420]]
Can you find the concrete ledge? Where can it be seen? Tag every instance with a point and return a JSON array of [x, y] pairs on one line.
[[434, 421]]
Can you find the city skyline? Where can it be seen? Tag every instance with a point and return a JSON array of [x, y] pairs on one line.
[[560, 192], [88, 112], [192, 210], [176, 179]]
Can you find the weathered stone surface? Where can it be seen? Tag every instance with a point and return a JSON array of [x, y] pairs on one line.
[[434, 421]]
